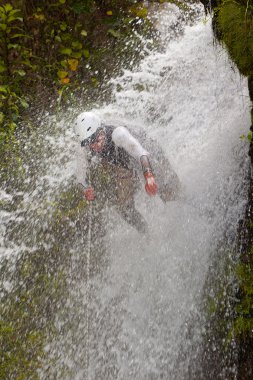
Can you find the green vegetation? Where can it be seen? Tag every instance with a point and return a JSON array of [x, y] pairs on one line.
[[234, 23], [57, 48], [38, 284], [243, 322], [11, 70]]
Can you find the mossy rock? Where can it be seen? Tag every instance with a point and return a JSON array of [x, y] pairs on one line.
[[236, 26]]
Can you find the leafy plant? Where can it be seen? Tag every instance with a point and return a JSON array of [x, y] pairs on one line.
[[13, 68]]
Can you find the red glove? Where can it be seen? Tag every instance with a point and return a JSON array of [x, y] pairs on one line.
[[151, 186], [89, 194]]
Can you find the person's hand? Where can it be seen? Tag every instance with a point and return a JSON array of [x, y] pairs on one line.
[[151, 186], [89, 194]]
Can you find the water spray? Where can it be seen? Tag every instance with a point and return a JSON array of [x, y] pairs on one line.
[[90, 211]]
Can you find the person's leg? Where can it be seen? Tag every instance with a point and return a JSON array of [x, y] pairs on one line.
[[133, 217], [125, 183]]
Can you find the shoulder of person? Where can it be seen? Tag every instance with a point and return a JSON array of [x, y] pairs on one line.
[[121, 131]]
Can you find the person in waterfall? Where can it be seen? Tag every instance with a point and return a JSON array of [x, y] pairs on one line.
[[109, 159]]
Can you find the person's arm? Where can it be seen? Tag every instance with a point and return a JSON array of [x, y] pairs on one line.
[[123, 139], [81, 174], [81, 166]]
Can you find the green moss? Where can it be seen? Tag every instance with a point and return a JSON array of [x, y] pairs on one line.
[[242, 325], [39, 288], [20, 358], [27, 315], [236, 26]]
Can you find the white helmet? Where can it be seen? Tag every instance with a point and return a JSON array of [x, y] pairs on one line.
[[87, 124]]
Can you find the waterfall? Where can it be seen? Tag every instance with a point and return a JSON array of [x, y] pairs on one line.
[[195, 105], [188, 96]]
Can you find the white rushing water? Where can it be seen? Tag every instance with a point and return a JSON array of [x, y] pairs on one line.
[[192, 101], [196, 106]]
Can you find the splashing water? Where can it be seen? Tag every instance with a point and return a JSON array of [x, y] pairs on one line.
[[195, 105]]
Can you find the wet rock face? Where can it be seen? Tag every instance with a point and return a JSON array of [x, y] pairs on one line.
[[223, 28], [245, 340], [250, 81], [245, 368], [225, 22], [209, 5], [250, 84]]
